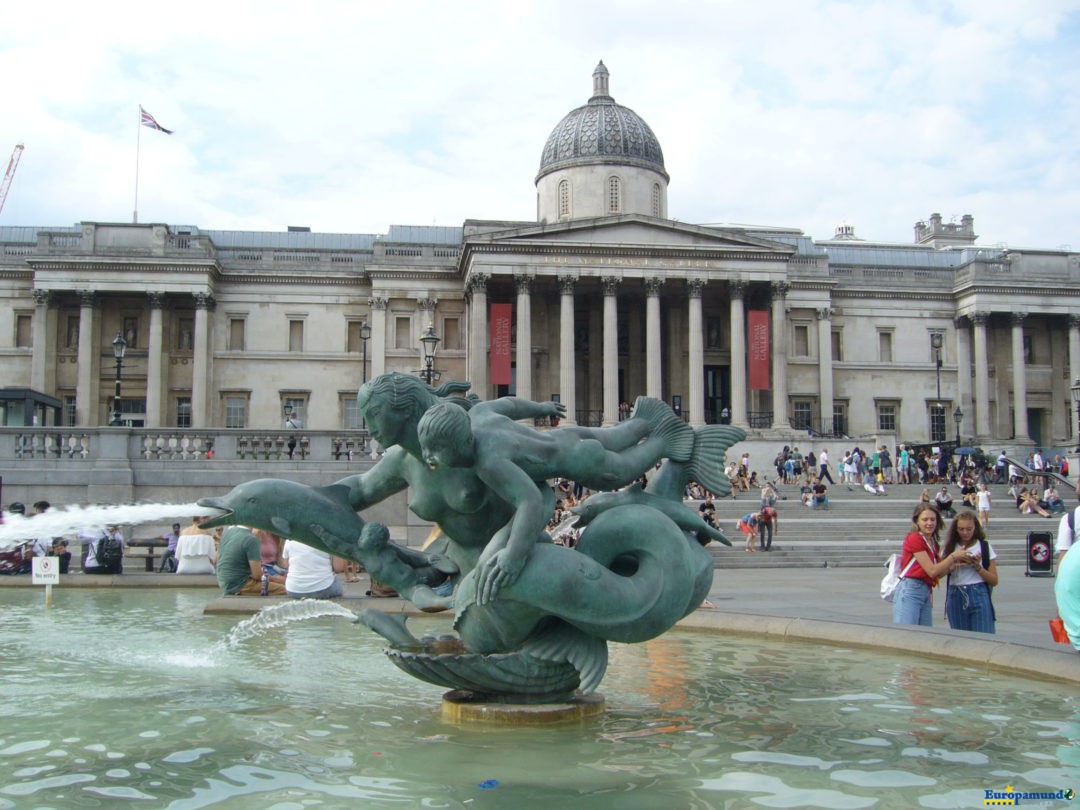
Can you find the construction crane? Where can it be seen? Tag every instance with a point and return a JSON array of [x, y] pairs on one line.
[[13, 164]]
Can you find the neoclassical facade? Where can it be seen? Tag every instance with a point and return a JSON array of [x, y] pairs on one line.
[[608, 298]]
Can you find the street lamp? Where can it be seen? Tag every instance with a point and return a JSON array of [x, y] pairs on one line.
[[958, 417], [725, 416], [431, 345], [1075, 389], [119, 346], [365, 336]]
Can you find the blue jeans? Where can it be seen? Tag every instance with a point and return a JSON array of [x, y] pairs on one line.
[[911, 603], [331, 592], [968, 607]]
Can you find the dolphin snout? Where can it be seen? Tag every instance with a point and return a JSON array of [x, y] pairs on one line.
[[215, 520]]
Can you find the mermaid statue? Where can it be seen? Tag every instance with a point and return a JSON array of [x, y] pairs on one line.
[[533, 618]]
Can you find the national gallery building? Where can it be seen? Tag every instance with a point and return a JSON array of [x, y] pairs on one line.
[[601, 299]]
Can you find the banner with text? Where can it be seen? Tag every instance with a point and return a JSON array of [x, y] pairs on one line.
[[757, 345], [500, 343]]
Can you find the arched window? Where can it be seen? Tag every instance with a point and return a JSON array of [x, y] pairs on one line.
[[614, 192], [657, 210], [564, 199]]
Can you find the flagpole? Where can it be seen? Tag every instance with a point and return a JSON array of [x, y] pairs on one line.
[[138, 141]]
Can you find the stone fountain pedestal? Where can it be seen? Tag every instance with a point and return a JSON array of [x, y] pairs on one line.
[[459, 706]]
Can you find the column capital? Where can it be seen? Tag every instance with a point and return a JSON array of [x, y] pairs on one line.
[[566, 284], [1017, 318], [980, 318], [780, 288], [1074, 321], [695, 287], [427, 304], [42, 298], [204, 301], [477, 283], [824, 314], [88, 298], [523, 284], [610, 284], [653, 285], [378, 303], [156, 300]]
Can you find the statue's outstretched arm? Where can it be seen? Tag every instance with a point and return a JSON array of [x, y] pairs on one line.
[[518, 408], [380, 482]]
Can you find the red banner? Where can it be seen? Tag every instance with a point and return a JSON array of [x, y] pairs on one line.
[[500, 343], [757, 348]]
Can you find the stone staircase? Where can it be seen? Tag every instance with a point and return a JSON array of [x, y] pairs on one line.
[[860, 529]]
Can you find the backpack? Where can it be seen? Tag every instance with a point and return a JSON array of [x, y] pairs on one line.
[[109, 552], [14, 560]]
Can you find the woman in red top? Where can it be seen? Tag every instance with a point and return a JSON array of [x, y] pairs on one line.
[[913, 602]]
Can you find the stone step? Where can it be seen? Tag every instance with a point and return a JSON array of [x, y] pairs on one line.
[[836, 555]]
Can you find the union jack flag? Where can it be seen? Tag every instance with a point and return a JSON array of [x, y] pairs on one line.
[[149, 121]]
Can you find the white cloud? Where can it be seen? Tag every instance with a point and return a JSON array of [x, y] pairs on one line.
[[350, 116]]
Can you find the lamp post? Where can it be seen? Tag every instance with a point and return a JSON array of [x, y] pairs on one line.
[[119, 346], [936, 340], [958, 417], [365, 336], [430, 342], [1075, 389], [725, 416]]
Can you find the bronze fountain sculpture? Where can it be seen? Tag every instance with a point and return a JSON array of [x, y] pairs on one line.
[[533, 618]]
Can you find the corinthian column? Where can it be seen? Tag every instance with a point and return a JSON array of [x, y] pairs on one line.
[[653, 358], [963, 372], [44, 350], [85, 386], [154, 381], [979, 321], [476, 289], [200, 373], [1020, 420], [377, 305], [736, 291], [779, 354], [695, 351], [611, 350], [825, 376], [523, 356], [567, 371]]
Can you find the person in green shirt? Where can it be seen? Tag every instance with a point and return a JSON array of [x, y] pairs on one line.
[[239, 565]]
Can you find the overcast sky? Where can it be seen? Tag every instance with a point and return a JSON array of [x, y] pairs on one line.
[[350, 116]]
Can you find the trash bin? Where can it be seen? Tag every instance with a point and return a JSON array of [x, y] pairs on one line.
[[1040, 554]]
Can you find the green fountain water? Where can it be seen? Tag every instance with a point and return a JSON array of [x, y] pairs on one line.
[[116, 698]]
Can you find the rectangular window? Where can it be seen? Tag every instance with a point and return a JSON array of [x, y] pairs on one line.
[[352, 337], [802, 414], [403, 338], [452, 331], [886, 417], [68, 415], [837, 347], [183, 412], [1029, 350], [295, 408], [802, 340], [236, 410], [839, 418], [24, 335], [350, 413], [885, 347], [237, 330], [296, 336], [185, 334], [937, 423]]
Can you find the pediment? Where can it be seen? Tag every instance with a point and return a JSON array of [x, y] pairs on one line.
[[632, 230]]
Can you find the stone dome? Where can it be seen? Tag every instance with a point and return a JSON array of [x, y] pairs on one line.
[[601, 132]]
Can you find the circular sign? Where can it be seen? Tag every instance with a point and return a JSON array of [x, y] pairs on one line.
[[1040, 551]]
